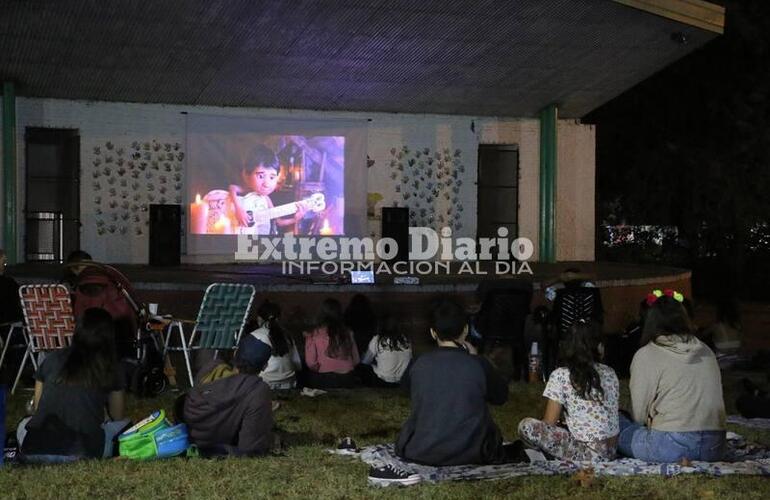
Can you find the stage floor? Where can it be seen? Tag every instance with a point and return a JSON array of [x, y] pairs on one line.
[[273, 278], [179, 290]]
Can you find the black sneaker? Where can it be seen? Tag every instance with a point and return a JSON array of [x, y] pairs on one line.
[[347, 446], [392, 474]]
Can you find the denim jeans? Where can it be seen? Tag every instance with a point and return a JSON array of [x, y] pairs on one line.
[[650, 445]]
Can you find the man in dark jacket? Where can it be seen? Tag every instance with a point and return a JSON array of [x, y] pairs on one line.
[[228, 412]]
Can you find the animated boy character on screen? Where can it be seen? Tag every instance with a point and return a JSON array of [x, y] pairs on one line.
[[251, 210]]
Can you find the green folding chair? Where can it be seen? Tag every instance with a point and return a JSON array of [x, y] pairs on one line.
[[220, 321]]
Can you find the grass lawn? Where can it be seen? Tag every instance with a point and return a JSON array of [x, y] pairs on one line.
[[306, 471]]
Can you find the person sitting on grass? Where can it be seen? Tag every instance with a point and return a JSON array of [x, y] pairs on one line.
[[450, 422], [676, 390], [75, 389], [330, 350], [387, 356], [583, 391], [284, 362], [229, 411]]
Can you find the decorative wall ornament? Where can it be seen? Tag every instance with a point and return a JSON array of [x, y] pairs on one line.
[[428, 183], [127, 178]]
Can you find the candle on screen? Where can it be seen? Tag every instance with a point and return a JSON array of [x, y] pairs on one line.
[[199, 215], [326, 228], [222, 225]]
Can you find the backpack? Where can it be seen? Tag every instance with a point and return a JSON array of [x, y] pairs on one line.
[[154, 437]]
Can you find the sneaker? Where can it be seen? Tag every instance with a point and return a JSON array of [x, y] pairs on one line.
[[392, 474], [347, 445]]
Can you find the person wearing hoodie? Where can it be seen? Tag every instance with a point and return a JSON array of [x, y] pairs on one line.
[[676, 390], [229, 412]]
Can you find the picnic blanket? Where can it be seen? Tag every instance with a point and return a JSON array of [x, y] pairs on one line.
[[754, 423], [742, 458]]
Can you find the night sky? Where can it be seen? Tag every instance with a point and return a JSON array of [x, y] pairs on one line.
[[690, 146]]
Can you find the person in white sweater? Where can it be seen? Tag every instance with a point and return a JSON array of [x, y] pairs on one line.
[[387, 356], [676, 390], [284, 363]]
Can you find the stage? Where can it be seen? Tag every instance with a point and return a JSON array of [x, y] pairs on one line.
[[178, 290]]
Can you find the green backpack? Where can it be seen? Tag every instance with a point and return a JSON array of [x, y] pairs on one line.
[[154, 437]]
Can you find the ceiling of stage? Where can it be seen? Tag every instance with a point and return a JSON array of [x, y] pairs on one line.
[[472, 57]]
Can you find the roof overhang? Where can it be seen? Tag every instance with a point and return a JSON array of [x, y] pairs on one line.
[[470, 57]]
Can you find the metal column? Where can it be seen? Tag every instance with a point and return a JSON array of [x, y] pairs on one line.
[[548, 141]]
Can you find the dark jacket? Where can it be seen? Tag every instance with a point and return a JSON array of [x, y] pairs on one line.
[[231, 415], [450, 423]]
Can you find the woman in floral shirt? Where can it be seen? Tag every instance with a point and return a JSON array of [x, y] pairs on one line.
[[585, 393]]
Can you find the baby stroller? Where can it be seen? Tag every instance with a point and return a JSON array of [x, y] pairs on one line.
[[103, 286]]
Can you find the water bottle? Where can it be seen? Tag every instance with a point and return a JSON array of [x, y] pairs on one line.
[[534, 363]]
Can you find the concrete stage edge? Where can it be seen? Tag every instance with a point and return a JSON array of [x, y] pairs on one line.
[[179, 290]]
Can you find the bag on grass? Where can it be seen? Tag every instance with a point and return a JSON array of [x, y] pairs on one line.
[[154, 437]]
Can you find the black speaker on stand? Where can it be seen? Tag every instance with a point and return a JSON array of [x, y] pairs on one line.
[[395, 224], [165, 235]]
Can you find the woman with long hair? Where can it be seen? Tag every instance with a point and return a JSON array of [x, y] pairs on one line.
[[676, 390], [330, 350], [79, 399], [387, 355], [585, 393], [284, 362]]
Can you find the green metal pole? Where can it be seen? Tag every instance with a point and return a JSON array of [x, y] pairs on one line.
[[9, 170], [548, 142]]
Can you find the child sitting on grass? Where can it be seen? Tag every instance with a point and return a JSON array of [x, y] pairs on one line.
[[387, 356], [585, 392], [450, 423], [229, 411], [79, 398], [676, 390], [330, 350], [284, 362]]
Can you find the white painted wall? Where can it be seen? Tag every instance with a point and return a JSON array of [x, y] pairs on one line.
[[124, 123]]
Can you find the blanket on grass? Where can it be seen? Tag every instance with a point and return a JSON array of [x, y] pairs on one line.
[[754, 423], [742, 458]]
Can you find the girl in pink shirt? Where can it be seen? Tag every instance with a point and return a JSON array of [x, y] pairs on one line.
[[330, 351]]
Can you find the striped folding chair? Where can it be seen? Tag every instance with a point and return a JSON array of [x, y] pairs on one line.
[[220, 321], [49, 322]]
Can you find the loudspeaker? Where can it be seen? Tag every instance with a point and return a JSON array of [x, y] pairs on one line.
[[165, 234], [395, 224]]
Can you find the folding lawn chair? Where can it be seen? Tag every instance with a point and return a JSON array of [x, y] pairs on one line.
[[220, 321], [49, 322]]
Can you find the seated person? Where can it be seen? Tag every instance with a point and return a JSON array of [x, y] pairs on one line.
[[676, 390], [450, 423], [387, 356], [284, 362], [72, 267], [583, 391], [229, 412], [330, 350], [754, 402], [10, 304], [79, 399]]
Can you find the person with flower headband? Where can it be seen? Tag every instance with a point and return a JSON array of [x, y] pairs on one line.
[[676, 390]]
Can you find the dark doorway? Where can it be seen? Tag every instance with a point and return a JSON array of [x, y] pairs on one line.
[[498, 190], [52, 209]]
